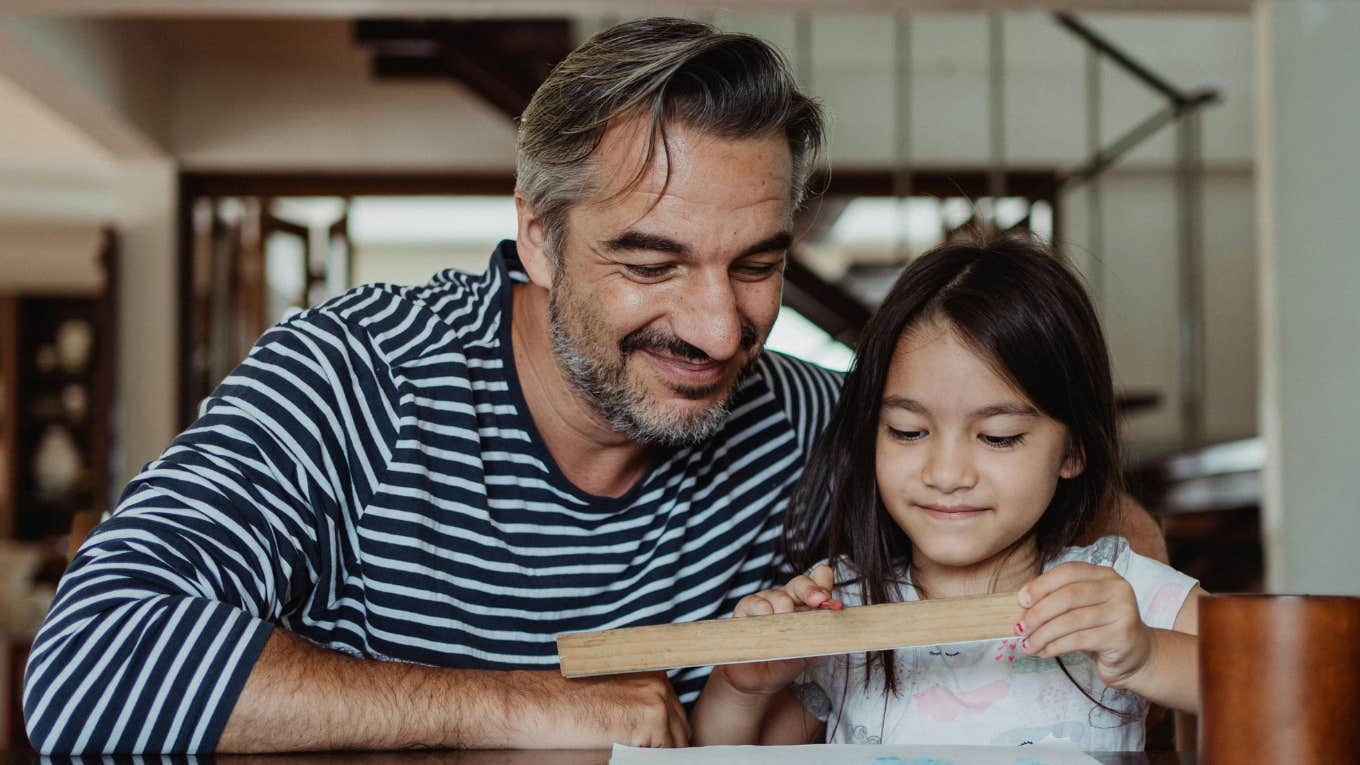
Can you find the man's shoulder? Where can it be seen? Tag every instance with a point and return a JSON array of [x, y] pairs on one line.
[[405, 324], [792, 379], [805, 392]]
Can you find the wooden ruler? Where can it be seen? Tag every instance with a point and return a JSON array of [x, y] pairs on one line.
[[788, 636]]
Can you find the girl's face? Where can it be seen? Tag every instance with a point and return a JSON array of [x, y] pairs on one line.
[[966, 465]]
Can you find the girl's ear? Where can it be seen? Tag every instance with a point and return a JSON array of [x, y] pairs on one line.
[[1074, 462], [531, 244]]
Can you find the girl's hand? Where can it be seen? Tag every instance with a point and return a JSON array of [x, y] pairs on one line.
[[1083, 607], [802, 593]]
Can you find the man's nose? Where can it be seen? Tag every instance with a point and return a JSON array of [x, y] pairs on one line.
[[707, 316]]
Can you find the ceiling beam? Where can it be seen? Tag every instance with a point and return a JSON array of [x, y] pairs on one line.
[[502, 60]]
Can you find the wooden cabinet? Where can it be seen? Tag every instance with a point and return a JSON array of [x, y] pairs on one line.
[[58, 426], [56, 397]]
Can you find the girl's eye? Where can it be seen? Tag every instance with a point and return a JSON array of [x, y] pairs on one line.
[[1002, 442], [648, 272], [905, 435]]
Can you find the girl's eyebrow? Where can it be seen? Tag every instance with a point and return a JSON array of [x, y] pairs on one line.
[[1022, 410], [902, 402], [994, 410]]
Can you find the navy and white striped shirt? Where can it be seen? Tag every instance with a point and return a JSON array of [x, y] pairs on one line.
[[370, 479]]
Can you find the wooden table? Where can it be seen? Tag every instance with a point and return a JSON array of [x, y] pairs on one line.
[[581, 757]]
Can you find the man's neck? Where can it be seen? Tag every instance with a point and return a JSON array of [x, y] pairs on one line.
[[588, 450]]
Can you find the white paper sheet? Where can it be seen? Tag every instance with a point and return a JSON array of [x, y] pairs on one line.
[[1044, 753]]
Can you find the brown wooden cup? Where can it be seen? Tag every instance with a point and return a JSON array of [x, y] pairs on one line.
[[1279, 679]]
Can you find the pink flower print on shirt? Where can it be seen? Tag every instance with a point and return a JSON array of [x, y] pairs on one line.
[[1007, 650], [945, 705]]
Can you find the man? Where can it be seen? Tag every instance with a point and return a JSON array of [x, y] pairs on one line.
[[383, 518]]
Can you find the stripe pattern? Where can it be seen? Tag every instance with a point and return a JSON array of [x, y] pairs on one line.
[[369, 478]]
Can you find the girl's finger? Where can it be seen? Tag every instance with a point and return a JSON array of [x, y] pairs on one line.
[[754, 605], [1070, 597], [782, 602], [824, 576], [1066, 624], [1088, 641], [1059, 577], [808, 591]]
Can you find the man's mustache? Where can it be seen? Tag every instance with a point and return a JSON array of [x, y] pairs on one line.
[[651, 339]]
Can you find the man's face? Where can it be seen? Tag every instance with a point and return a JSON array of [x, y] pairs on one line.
[[661, 300]]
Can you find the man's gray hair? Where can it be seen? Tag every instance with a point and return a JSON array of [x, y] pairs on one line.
[[725, 85]]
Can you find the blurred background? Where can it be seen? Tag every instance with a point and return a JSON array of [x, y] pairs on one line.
[[177, 176]]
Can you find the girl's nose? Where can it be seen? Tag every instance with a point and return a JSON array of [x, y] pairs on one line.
[[948, 468]]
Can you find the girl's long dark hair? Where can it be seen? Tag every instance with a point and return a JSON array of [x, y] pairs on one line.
[[1022, 309]]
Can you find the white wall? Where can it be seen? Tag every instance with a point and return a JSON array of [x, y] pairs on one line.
[[109, 77], [301, 97], [148, 319], [1310, 163], [51, 172], [1140, 298], [50, 258], [414, 264], [852, 72]]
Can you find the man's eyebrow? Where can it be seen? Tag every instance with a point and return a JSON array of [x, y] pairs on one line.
[[636, 240], [777, 243]]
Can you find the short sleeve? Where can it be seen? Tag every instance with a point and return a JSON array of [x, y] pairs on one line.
[[1160, 589]]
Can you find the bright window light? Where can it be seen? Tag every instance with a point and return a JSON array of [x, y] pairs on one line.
[[452, 220], [879, 222], [795, 336]]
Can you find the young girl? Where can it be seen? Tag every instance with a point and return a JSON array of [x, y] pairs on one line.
[[974, 441]]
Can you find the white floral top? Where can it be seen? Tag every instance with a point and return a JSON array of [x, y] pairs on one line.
[[991, 692]]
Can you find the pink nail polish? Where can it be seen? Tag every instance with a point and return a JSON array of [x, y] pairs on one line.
[[1020, 627], [1025, 644]]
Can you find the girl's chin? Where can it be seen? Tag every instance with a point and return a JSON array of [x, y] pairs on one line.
[[953, 556]]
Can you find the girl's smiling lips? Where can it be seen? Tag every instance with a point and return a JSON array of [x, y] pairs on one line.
[[953, 512]]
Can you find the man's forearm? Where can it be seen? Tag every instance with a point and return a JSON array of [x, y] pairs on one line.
[[303, 697], [724, 715]]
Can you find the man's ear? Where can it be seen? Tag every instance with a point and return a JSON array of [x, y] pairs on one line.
[[1074, 462], [531, 243]]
